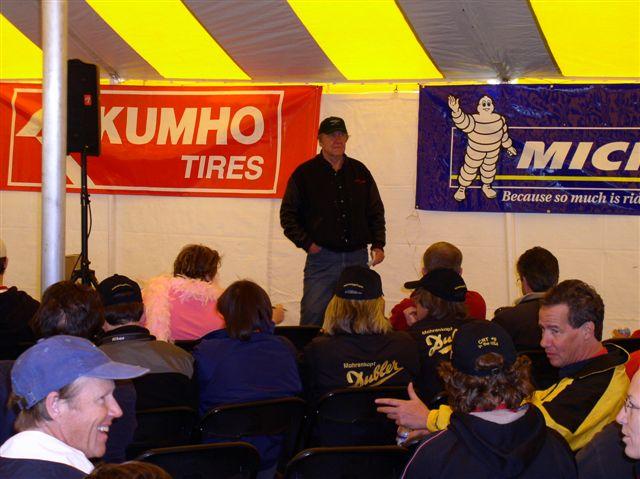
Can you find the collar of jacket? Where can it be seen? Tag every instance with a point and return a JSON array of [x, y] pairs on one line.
[[126, 333], [615, 357]]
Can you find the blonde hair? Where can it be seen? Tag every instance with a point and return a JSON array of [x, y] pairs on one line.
[[353, 316]]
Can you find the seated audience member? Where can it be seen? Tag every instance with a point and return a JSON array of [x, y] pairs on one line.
[[129, 470], [245, 361], [16, 309], [439, 297], [592, 381], [358, 347], [170, 367], [439, 255], [490, 434], [64, 388], [629, 419], [72, 309], [183, 306], [538, 272]]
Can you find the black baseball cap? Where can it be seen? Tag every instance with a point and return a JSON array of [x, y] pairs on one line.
[[477, 338], [331, 124], [118, 289], [359, 282], [443, 283]]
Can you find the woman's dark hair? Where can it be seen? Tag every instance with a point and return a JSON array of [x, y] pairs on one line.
[[129, 470], [246, 308], [467, 393], [68, 308], [439, 308], [198, 262], [124, 313]]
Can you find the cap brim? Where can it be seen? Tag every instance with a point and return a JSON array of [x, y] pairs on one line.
[[412, 284], [116, 370]]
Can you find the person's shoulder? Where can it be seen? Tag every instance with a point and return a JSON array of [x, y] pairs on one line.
[[308, 165]]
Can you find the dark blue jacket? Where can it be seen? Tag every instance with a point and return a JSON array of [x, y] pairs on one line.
[[34, 468], [233, 371]]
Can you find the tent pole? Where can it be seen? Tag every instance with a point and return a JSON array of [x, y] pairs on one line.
[[54, 139]]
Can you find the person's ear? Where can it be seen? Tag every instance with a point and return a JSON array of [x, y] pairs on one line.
[[52, 404], [588, 329]]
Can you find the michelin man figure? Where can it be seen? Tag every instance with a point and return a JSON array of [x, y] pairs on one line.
[[486, 134]]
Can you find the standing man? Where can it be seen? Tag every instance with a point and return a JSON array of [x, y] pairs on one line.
[[331, 209]]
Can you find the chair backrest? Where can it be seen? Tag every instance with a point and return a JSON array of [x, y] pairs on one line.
[[348, 417], [162, 427], [372, 462], [543, 373], [272, 417], [237, 460], [300, 336]]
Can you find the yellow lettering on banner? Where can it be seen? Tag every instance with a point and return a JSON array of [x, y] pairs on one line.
[[381, 373]]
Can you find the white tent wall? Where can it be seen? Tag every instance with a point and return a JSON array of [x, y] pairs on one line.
[[139, 236]]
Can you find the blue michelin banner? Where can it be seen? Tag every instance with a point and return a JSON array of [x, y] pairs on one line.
[[529, 148]]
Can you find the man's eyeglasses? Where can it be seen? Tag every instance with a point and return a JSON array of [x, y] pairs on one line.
[[629, 406]]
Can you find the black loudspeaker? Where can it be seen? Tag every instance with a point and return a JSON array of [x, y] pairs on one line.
[[83, 108]]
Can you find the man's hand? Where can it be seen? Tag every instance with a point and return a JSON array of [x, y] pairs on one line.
[[314, 248], [377, 256], [278, 313], [410, 413]]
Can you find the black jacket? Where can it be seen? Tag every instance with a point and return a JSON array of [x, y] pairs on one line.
[[356, 360], [16, 309], [33, 468], [341, 211], [521, 322], [434, 337], [475, 448]]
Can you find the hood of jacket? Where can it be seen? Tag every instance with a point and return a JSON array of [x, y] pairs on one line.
[[505, 449]]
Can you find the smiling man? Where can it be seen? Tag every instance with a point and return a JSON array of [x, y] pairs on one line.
[[331, 209], [64, 388], [592, 381]]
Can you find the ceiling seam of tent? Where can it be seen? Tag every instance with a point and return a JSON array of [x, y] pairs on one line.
[[417, 37], [544, 38], [104, 65], [219, 43]]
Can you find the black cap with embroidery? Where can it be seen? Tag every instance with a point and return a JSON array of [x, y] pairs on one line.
[[331, 124], [477, 338], [118, 289], [443, 283], [359, 282]]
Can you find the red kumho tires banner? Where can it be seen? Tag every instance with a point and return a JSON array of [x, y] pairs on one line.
[[177, 141]]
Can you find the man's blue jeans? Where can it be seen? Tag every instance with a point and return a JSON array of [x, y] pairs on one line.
[[321, 273]]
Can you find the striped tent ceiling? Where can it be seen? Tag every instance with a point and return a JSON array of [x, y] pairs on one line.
[[334, 41]]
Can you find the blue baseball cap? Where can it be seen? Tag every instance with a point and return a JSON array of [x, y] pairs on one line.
[[59, 360]]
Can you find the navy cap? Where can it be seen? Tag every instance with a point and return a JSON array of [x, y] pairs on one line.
[[57, 361], [477, 338], [359, 282], [443, 283]]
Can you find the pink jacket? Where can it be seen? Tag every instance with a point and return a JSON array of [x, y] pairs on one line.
[[177, 308]]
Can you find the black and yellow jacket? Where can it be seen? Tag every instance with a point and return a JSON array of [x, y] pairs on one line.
[[587, 397]]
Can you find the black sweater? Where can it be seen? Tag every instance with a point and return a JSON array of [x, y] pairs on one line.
[[339, 210]]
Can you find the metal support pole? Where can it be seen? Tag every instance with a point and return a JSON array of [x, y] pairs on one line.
[[54, 139]]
